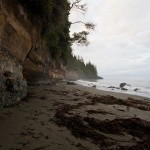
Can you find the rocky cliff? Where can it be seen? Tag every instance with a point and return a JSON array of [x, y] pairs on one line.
[[24, 55]]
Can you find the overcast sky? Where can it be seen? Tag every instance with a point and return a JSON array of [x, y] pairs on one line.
[[120, 44]]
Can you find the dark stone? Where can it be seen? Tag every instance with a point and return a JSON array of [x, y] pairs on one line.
[[113, 87], [71, 83], [10, 85], [123, 84], [136, 89], [100, 78], [46, 137], [7, 74], [124, 89], [94, 86], [12, 90]]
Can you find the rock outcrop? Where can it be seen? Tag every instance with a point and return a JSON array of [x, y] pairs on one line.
[[71, 75], [24, 56]]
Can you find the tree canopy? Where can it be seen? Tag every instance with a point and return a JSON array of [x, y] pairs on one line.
[[84, 70]]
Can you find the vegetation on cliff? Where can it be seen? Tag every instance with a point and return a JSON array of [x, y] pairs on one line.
[[50, 17], [84, 70]]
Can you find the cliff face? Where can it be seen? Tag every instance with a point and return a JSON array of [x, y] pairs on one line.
[[24, 56], [72, 75]]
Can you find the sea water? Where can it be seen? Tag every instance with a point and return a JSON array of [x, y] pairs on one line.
[[142, 85]]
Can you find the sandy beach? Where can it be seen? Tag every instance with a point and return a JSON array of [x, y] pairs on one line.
[[74, 117]]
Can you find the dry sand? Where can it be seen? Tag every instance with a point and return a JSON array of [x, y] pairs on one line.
[[73, 117]]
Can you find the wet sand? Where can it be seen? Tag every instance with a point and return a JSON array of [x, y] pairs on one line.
[[73, 117]]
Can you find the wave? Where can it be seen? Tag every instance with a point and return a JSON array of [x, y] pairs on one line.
[[134, 88]]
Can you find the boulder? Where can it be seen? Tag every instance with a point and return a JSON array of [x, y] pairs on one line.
[[136, 89], [124, 89], [124, 84], [7, 74], [94, 86], [12, 90], [98, 77], [71, 83], [113, 87]]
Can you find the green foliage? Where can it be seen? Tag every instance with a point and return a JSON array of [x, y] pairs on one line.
[[56, 53], [80, 38], [59, 43], [84, 70], [45, 10], [91, 70]]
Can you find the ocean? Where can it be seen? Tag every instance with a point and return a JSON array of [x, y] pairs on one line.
[[136, 86]]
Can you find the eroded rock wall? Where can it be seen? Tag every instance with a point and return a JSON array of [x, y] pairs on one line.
[[24, 56], [15, 44], [72, 75]]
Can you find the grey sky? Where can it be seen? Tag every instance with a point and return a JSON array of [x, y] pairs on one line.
[[120, 44]]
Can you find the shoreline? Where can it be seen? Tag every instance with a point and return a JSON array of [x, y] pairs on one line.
[[75, 117], [114, 89], [113, 93]]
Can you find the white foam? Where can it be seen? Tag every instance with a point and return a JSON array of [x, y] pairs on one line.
[[143, 90]]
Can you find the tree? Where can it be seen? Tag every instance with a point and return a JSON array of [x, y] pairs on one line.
[[77, 5], [84, 70], [81, 37]]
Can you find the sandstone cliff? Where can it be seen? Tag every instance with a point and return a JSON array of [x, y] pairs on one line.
[[24, 56]]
